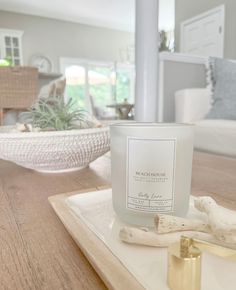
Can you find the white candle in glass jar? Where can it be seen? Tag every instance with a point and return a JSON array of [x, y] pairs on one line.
[[151, 167]]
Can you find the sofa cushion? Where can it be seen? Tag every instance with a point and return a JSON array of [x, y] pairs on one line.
[[210, 79], [224, 90], [216, 136]]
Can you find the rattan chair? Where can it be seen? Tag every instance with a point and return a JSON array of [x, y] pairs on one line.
[[18, 88]]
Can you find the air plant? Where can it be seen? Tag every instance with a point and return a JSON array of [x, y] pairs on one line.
[[55, 114]]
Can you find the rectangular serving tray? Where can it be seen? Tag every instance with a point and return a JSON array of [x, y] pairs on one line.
[[113, 273], [91, 221]]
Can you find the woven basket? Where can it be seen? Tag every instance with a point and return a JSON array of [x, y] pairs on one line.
[[57, 151], [18, 87]]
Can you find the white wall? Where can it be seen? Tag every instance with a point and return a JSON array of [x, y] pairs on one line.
[[55, 39], [179, 75], [166, 15]]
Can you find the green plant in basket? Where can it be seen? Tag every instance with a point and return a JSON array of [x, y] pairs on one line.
[[56, 114]]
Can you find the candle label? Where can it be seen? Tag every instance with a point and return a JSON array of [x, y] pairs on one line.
[[150, 174]]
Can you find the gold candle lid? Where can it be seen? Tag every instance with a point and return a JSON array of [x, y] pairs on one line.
[[184, 266], [184, 262]]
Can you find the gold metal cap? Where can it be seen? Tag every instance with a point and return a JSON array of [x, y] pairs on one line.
[[184, 266], [184, 262]]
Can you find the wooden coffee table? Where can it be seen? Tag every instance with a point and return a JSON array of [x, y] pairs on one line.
[[36, 250]]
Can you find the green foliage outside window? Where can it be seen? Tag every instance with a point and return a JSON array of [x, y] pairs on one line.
[[103, 93], [6, 61], [77, 94], [122, 86]]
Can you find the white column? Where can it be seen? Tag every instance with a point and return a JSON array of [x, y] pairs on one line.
[[146, 58]]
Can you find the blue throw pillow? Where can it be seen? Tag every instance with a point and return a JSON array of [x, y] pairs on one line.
[[224, 90]]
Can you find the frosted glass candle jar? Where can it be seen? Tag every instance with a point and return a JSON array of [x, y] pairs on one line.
[[151, 166]]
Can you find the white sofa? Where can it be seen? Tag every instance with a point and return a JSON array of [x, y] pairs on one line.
[[214, 136]]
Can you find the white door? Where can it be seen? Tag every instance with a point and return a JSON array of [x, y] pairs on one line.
[[204, 34]]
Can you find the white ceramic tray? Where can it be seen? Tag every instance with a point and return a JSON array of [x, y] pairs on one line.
[[91, 221]]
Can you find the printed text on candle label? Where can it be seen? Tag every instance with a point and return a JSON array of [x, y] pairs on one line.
[[150, 174]]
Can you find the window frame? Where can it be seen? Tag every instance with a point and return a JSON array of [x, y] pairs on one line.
[[4, 32], [86, 63]]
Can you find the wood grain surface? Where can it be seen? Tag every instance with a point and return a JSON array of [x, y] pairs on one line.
[[36, 250]]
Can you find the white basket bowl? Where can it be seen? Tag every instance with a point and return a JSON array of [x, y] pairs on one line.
[[54, 151]]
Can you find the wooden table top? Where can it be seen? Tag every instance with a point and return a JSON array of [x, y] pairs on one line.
[[36, 250]]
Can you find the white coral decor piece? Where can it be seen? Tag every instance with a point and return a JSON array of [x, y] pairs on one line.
[[54, 151]]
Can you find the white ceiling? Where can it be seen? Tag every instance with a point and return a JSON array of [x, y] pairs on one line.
[[116, 14]]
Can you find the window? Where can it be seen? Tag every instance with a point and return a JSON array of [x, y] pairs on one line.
[[75, 85], [125, 83], [10, 46], [93, 85]]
